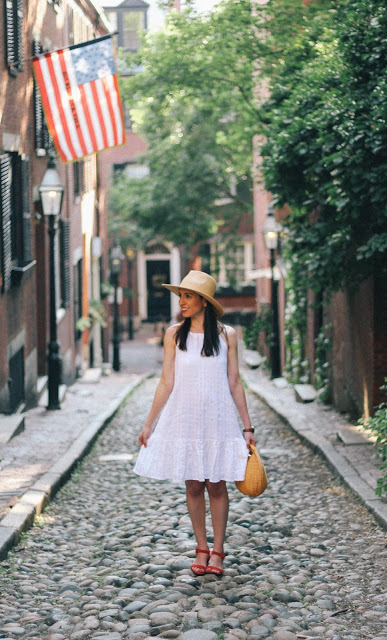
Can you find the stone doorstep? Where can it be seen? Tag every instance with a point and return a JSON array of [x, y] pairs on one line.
[[253, 359], [43, 401], [91, 376], [41, 386], [11, 426], [305, 393], [351, 436]]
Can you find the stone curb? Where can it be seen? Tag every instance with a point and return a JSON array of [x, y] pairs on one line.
[[323, 447], [33, 502]]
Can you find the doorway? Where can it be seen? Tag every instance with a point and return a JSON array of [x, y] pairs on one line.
[[157, 273]]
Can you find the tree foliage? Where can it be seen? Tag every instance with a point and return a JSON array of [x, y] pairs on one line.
[[326, 147], [196, 104]]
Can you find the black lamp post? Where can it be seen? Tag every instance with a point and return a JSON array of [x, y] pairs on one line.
[[130, 255], [51, 195], [116, 258], [271, 230]]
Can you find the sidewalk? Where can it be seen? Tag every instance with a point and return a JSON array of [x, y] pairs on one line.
[[353, 459], [37, 462]]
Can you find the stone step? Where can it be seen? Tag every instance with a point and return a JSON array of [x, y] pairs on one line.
[[253, 359], [305, 392], [43, 401], [91, 376], [351, 435], [10, 426]]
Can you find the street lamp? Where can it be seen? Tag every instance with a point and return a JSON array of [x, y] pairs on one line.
[[271, 230], [130, 255], [51, 194], [116, 258]]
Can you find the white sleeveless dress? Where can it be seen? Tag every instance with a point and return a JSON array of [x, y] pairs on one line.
[[197, 436]]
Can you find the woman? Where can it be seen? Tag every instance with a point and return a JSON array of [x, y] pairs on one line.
[[197, 438]]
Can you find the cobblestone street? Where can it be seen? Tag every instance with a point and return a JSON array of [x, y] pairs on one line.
[[110, 556]]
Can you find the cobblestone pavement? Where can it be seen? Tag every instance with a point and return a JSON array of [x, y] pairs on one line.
[[110, 557]]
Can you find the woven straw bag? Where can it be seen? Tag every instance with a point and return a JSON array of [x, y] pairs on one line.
[[255, 481]]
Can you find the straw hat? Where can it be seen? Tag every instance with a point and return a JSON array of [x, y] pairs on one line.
[[201, 283]]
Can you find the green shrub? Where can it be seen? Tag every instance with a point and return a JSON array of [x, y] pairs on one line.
[[377, 425], [261, 323]]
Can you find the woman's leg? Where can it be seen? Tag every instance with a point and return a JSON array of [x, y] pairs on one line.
[[217, 492], [196, 504]]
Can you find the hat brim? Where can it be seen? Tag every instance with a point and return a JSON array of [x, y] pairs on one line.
[[176, 289]]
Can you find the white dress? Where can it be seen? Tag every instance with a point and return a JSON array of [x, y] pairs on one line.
[[197, 436]]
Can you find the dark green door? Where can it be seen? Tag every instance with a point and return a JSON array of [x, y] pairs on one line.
[[158, 297]]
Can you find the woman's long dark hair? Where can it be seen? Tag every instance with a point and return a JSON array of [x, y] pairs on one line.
[[212, 328]]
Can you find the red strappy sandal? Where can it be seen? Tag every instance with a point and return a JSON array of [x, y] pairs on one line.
[[215, 570], [200, 569]]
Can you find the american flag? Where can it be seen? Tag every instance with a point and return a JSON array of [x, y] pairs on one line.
[[80, 98]]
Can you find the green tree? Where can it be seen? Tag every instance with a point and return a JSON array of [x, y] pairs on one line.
[[195, 103], [326, 148]]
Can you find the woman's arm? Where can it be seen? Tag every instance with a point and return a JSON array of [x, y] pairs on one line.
[[165, 386], [236, 386]]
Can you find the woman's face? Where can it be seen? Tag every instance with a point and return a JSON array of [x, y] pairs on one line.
[[191, 304]]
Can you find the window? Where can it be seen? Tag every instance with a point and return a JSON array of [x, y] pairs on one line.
[[15, 217], [133, 24], [13, 18], [128, 22], [233, 262], [132, 170]]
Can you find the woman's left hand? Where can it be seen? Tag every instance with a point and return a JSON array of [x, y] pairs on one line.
[[249, 438]]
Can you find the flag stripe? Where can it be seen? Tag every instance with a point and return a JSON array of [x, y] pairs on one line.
[[110, 107], [64, 101], [73, 90], [97, 107], [105, 111], [88, 117], [94, 116], [80, 97], [47, 109], [60, 130], [119, 111]]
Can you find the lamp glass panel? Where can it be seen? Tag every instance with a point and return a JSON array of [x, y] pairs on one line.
[[271, 239], [51, 202]]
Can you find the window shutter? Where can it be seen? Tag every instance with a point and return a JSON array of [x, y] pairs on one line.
[[19, 34], [65, 266], [38, 111], [26, 213], [10, 36], [5, 221], [14, 35]]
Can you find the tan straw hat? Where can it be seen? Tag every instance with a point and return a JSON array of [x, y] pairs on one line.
[[201, 283]]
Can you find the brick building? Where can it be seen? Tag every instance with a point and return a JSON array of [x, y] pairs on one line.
[[26, 29]]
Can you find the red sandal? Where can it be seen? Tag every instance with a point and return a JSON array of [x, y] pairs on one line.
[[215, 570], [199, 569]]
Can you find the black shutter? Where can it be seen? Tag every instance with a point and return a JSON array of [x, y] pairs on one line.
[[38, 111], [19, 34], [13, 18], [26, 213], [10, 51], [65, 262], [5, 221]]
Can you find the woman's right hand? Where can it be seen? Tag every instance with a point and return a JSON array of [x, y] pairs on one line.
[[144, 436]]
